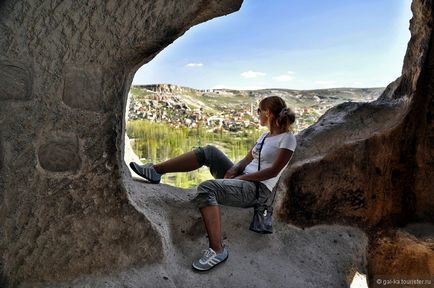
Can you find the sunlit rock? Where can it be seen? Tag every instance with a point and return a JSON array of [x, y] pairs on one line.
[[66, 68]]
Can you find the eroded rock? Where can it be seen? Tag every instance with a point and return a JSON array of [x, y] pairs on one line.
[[15, 81], [60, 155], [369, 163], [64, 211], [82, 88], [402, 255], [361, 164]]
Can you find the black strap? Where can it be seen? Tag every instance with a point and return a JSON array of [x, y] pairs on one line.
[[259, 165], [274, 193]]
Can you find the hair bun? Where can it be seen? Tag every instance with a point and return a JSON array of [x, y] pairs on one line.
[[284, 112], [287, 113]]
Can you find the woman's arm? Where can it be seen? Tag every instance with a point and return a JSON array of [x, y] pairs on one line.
[[239, 167], [281, 160]]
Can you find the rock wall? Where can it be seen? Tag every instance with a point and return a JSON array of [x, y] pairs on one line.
[[370, 163], [68, 206], [405, 253], [65, 70]]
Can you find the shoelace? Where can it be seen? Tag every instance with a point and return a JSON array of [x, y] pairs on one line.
[[207, 253]]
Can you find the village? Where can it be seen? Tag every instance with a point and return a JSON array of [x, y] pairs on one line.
[[172, 110]]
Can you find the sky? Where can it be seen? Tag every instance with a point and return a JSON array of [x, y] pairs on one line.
[[293, 44]]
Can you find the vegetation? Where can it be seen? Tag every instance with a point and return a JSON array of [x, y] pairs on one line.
[[157, 142], [155, 138]]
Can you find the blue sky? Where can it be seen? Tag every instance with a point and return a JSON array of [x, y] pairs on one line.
[[294, 44]]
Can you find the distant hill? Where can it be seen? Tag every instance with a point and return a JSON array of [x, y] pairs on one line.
[[233, 109], [215, 98]]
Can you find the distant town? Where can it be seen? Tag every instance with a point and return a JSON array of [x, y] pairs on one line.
[[232, 110]]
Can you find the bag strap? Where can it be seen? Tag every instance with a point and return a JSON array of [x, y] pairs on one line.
[[259, 165], [274, 193]]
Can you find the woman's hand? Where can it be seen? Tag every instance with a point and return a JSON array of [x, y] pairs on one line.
[[231, 173], [239, 167]]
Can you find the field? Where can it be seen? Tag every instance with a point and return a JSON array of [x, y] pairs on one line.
[[157, 142]]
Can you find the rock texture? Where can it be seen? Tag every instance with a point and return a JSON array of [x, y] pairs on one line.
[[373, 159], [370, 164], [72, 216], [65, 70], [407, 252]]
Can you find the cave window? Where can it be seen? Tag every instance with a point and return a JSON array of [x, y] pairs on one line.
[[322, 53]]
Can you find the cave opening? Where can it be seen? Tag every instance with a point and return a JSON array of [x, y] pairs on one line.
[[167, 115]]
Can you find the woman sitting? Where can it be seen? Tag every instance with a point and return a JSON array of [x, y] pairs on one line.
[[234, 185]]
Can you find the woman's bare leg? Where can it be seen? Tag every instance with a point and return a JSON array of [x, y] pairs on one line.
[[182, 163], [211, 218]]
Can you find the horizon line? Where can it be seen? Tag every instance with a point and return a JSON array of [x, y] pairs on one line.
[[344, 87]]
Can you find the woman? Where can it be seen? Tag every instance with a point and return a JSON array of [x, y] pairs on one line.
[[234, 185]]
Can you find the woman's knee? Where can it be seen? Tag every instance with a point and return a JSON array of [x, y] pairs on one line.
[[206, 195], [207, 187], [203, 154], [210, 150], [200, 155]]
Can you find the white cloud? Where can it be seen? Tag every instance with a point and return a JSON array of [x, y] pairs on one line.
[[288, 76], [194, 65], [252, 74]]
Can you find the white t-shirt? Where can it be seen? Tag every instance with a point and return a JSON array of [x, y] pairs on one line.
[[269, 152]]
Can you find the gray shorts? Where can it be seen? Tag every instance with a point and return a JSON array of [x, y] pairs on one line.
[[230, 192]]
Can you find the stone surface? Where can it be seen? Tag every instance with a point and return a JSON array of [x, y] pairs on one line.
[[15, 82], [76, 61], [370, 164], [374, 159], [320, 256], [406, 254], [60, 155], [1, 153], [362, 164], [82, 88]]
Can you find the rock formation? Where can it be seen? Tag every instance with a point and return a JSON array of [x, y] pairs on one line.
[[167, 88], [65, 70], [374, 158], [370, 164], [71, 215]]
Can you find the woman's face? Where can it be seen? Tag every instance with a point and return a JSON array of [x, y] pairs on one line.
[[263, 117]]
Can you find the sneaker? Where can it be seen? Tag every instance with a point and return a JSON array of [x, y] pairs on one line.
[[210, 259], [147, 171]]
